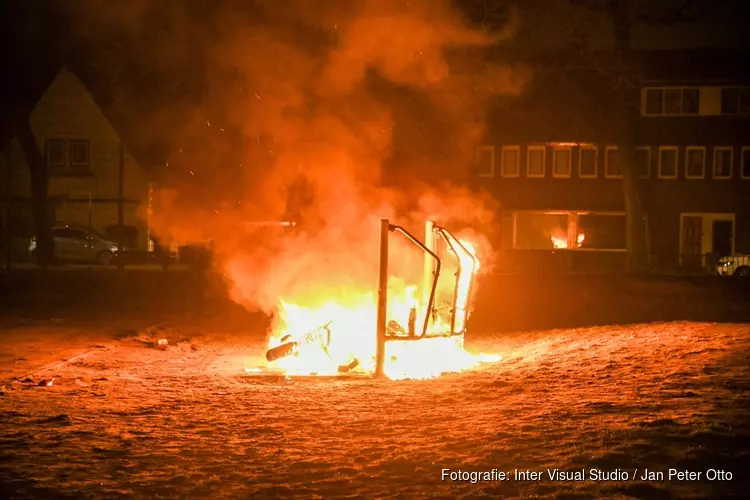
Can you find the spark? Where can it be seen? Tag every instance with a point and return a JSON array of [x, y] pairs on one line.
[[208, 123], [192, 173], [256, 95]]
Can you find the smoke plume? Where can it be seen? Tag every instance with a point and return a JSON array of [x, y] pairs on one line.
[[347, 112]]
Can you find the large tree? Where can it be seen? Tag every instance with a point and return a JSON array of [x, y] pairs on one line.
[[31, 57]]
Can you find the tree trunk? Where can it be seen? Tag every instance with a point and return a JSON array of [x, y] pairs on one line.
[[39, 182], [634, 213], [627, 117]]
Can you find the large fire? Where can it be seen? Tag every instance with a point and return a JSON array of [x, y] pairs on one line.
[[341, 334]]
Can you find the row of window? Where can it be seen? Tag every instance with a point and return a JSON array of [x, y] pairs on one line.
[[668, 162], [674, 101], [67, 155]]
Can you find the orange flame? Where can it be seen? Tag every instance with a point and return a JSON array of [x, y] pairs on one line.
[[351, 317], [560, 242]]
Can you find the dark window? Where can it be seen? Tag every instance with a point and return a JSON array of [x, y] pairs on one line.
[[672, 101], [745, 163], [602, 232], [643, 162], [510, 162], [668, 163], [690, 101], [535, 162], [695, 159], [611, 163], [587, 166], [722, 162], [55, 152], [654, 101], [485, 161], [80, 157], [561, 163], [540, 231], [730, 101], [70, 233], [744, 107]]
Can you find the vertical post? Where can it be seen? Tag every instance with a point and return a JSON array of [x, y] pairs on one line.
[[121, 212], [429, 265], [90, 242], [8, 201], [382, 299]]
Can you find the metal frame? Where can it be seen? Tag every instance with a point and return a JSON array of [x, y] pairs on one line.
[[433, 267]]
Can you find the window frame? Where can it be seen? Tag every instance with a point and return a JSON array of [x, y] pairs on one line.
[[555, 149], [63, 162], [716, 150], [491, 149], [77, 166], [743, 150], [543, 150], [676, 149], [595, 149], [688, 149], [647, 149], [663, 91], [607, 175], [517, 149]]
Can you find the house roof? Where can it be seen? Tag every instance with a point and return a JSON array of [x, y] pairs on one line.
[[31, 81]]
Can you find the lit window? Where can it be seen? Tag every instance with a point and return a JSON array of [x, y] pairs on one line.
[[79, 154], [695, 162], [535, 165], [561, 163], [667, 162], [510, 161], [723, 162], [611, 163], [587, 163], [672, 101]]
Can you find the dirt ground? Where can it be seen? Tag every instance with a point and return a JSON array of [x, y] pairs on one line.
[[124, 419]]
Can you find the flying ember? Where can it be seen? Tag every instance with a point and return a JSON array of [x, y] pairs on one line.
[[403, 329]]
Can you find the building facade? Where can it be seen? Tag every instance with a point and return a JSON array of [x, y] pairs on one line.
[[561, 188], [84, 156]]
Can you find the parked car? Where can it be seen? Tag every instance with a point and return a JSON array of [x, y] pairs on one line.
[[734, 265], [75, 244]]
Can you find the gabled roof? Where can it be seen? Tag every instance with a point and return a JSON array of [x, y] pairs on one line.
[[31, 82]]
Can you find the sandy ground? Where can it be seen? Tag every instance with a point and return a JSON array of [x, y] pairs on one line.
[[124, 419]]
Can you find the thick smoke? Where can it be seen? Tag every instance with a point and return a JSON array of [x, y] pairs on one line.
[[348, 111]]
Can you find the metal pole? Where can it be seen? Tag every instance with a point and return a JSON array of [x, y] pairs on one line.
[[121, 213], [382, 299], [429, 265], [90, 243]]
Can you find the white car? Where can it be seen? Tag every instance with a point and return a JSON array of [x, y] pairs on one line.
[[734, 265], [74, 244]]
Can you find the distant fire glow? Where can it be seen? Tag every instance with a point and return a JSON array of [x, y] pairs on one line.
[[560, 242]]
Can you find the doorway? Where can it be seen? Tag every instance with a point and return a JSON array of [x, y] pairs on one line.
[[692, 236], [721, 238]]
